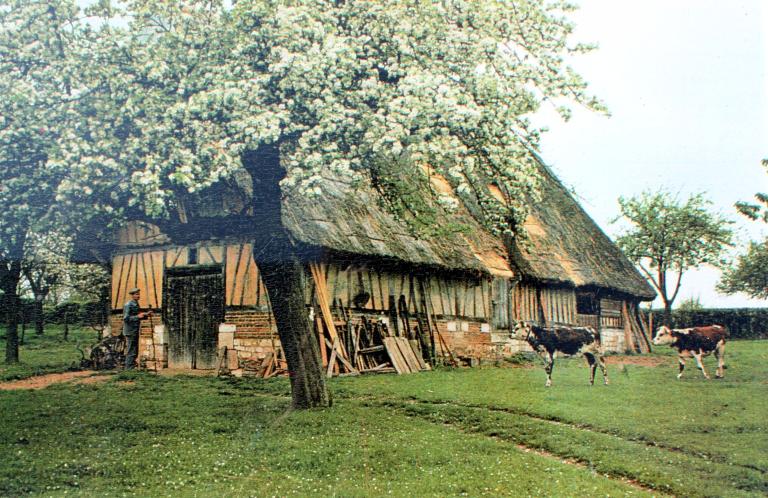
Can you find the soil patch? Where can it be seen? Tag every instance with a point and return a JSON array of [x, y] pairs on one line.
[[643, 361], [43, 381]]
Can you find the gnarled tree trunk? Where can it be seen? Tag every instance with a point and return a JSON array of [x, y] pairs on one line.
[[282, 265], [284, 276], [38, 315]]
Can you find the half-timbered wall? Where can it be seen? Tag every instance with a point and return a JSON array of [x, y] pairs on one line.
[[366, 288], [559, 305], [463, 306], [473, 313], [145, 270], [525, 303], [610, 314], [552, 305]]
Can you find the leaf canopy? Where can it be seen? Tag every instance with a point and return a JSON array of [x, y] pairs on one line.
[[362, 89]]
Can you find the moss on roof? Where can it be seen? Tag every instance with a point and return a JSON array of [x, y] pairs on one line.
[[350, 218], [566, 246]]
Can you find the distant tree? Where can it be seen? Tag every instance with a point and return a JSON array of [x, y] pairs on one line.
[[668, 237], [690, 304], [749, 273]]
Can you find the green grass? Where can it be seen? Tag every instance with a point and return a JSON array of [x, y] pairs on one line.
[[444, 433], [48, 353]]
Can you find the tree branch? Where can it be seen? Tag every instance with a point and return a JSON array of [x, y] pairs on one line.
[[677, 286]]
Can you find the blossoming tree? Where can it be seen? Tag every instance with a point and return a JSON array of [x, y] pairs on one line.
[[38, 81], [191, 92]]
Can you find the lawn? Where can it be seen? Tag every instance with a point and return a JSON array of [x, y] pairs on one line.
[[47, 353], [490, 431]]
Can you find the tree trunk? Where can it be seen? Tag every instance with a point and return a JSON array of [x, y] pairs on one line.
[[282, 266], [38, 317], [285, 279], [667, 318], [12, 306]]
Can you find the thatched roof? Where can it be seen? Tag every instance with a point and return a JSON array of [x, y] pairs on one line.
[[350, 219], [567, 247]]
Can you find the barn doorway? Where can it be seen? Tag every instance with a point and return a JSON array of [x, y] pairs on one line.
[[193, 308]]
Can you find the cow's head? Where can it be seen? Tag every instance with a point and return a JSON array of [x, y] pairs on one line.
[[664, 335], [522, 331]]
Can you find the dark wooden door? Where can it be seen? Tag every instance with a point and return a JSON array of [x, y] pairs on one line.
[[193, 309]]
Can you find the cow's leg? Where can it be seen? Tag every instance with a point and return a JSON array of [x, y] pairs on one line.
[[700, 363], [592, 367], [549, 363], [720, 355], [681, 362], [603, 368]]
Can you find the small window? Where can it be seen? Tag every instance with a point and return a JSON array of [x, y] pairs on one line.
[[586, 303], [192, 256]]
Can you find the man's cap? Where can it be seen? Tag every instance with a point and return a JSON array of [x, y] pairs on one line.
[[134, 290]]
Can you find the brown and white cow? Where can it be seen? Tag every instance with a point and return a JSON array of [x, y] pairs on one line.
[[697, 342], [547, 341]]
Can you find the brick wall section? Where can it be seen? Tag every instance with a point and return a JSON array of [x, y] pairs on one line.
[[255, 333], [251, 324]]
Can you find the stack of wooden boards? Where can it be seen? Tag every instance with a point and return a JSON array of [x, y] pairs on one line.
[[352, 347], [270, 366]]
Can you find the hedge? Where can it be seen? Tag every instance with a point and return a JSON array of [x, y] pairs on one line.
[[743, 323], [88, 313]]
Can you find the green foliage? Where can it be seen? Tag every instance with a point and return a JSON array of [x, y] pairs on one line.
[[690, 304], [742, 323], [756, 210], [670, 236], [443, 433], [749, 273]]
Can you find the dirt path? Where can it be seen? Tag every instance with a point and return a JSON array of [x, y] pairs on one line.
[[43, 381], [642, 361]]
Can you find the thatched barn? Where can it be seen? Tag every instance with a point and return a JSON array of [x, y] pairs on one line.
[[469, 284]]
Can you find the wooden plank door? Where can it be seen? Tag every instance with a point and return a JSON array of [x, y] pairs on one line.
[[193, 310], [500, 300]]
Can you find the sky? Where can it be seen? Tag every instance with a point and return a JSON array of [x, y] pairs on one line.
[[686, 82]]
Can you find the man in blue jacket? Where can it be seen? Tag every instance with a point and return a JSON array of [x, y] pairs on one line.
[[131, 325]]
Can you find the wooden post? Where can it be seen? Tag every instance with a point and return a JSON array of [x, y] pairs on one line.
[[332, 360], [650, 323], [394, 315], [628, 339], [321, 342]]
